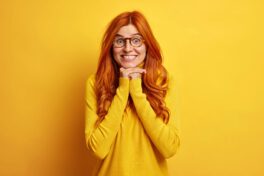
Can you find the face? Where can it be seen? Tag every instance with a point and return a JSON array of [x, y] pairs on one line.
[[129, 56]]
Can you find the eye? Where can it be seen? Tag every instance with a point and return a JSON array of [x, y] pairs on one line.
[[119, 41], [136, 41]]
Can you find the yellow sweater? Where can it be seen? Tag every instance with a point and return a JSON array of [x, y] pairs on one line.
[[129, 143]]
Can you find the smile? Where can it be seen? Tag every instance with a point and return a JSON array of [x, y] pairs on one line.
[[128, 57]]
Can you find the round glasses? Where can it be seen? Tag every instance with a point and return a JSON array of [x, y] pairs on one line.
[[120, 42]]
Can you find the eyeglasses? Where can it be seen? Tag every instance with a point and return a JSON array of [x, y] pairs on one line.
[[135, 41]]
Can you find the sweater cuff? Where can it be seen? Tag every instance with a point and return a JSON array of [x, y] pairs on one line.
[[135, 85], [123, 83]]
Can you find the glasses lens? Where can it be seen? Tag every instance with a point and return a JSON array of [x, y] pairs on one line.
[[119, 42], [136, 41]]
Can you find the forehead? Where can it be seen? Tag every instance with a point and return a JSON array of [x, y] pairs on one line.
[[128, 30]]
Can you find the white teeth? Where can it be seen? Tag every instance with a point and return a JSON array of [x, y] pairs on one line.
[[128, 57]]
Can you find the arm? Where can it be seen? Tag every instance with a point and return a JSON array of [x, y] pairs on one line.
[[164, 136], [99, 139]]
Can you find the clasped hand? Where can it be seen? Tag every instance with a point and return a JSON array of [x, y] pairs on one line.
[[132, 73]]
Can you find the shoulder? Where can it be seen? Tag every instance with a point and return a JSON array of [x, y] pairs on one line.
[[90, 92], [170, 78], [171, 81], [90, 81]]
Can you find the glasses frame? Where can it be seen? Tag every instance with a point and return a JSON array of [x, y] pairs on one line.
[[128, 38]]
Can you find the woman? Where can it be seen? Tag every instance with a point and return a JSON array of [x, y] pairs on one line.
[[131, 124]]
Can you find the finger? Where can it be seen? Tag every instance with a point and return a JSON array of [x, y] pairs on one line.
[[122, 69], [136, 70]]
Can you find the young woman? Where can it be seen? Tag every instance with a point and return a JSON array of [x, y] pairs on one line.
[[131, 124]]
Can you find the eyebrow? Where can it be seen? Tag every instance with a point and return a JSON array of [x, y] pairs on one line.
[[119, 35]]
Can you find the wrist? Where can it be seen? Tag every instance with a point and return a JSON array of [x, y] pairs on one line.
[[135, 75]]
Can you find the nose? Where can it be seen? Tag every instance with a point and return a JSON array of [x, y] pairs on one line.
[[128, 46]]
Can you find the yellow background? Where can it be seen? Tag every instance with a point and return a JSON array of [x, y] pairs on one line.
[[214, 49]]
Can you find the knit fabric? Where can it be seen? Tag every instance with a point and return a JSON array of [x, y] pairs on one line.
[[128, 142]]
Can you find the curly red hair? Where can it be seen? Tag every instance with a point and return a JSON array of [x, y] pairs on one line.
[[107, 76]]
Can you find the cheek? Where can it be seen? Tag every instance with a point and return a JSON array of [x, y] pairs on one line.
[[143, 52], [116, 53]]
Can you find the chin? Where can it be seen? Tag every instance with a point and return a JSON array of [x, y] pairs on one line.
[[129, 65]]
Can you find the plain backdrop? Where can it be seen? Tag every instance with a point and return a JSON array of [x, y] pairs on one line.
[[48, 48]]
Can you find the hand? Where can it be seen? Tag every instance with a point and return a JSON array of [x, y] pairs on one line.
[[132, 73]]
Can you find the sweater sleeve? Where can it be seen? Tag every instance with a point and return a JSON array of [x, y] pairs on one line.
[[165, 137], [99, 139]]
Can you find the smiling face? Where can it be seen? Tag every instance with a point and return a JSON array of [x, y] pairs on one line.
[[129, 56]]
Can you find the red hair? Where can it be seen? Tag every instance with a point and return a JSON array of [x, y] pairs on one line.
[[107, 75]]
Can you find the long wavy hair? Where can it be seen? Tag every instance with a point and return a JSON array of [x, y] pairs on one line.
[[154, 83]]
